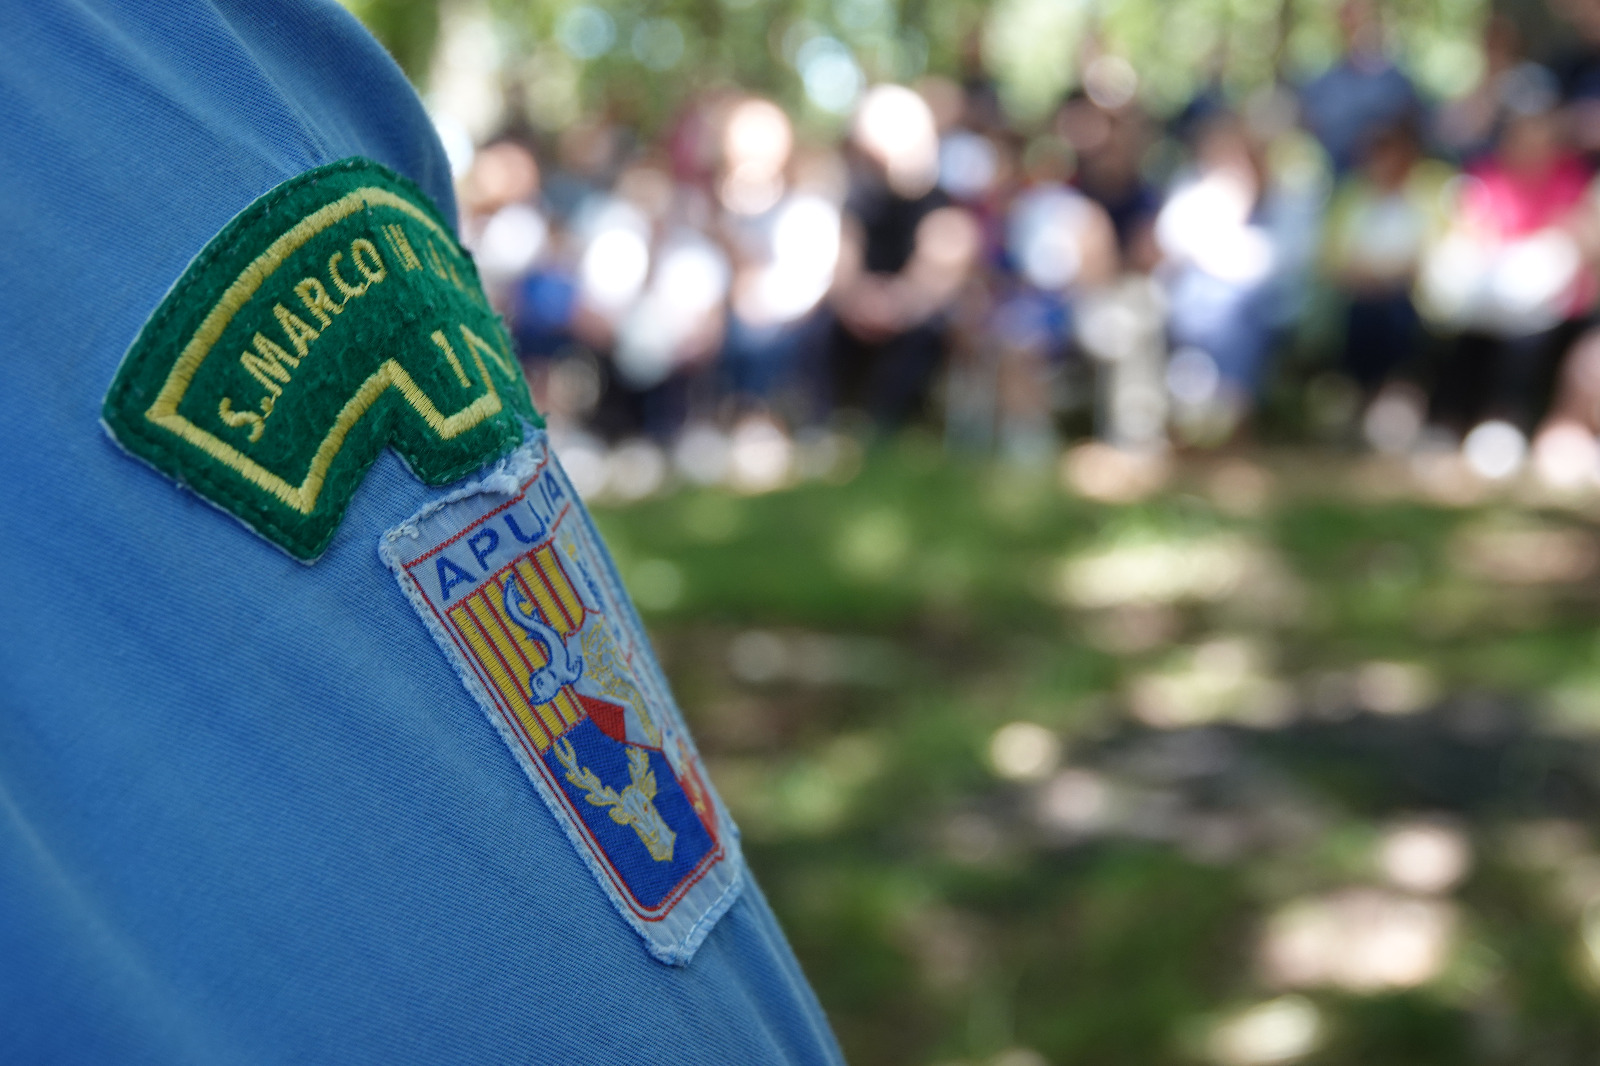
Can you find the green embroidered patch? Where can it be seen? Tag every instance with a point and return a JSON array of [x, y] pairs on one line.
[[333, 316]]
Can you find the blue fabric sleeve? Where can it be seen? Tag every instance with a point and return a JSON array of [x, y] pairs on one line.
[[248, 813]]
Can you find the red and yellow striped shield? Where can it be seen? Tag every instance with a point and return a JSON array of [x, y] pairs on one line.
[[505, 651]]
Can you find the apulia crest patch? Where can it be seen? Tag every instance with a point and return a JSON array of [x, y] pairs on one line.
[[334, 316], [512, 581]]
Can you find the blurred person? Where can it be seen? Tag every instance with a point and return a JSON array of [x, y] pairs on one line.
[[1059, 244], [1383, 220], [1363, 91], [508, 230], [589, 153], [664, 306], [1576, 66], [694, 142], [543, 317], [1565, 449], [1111, 136], [330, 733], [505, 226], [1465, 128], [504, 173], [1219, 257], [1209, 99], [970, 393], [980, 171], [613, 237], [979, 163], [564, 313], [1509, 273], [1120, 316], [905, 254], [976, 159], [983, 110], [784, 239], [543, 303]]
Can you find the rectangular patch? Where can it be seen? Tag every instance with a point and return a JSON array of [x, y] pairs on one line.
[[514, 584]]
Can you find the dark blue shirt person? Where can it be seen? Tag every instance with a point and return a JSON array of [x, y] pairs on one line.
[[1362, 93]]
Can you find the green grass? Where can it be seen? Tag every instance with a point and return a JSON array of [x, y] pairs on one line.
[[1246, 692]]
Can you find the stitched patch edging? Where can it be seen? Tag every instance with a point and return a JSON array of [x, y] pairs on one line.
[[515, 586], [334, 316]]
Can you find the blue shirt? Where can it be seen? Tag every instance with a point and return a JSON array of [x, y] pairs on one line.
[[1348, 103], [248, 811]]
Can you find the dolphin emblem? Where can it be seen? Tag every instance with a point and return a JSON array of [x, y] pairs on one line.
[[564, 666]]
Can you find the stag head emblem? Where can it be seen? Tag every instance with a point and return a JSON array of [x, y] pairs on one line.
[[634, 806]]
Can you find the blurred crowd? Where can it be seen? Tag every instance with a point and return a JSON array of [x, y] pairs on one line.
[[718, 296]]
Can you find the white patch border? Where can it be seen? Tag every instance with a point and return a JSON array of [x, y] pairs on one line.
[[677, 935]]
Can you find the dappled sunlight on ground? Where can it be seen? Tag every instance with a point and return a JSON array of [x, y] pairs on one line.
[[1162, 760]]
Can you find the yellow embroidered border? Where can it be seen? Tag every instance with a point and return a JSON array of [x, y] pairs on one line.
[[303, 497], [419, 294]]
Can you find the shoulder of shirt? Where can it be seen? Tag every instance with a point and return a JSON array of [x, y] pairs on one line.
[[344, 82], [276, 89]]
